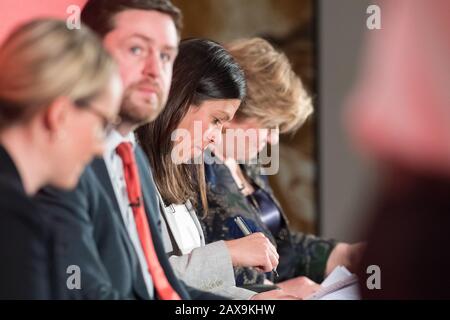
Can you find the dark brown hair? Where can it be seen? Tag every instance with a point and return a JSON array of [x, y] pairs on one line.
[[203, 71], [99, 14]]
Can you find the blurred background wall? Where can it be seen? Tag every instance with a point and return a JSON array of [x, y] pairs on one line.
[[344, 180]]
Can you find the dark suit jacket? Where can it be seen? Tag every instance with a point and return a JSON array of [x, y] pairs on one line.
[[408, 238], [26, 253], [103, 250]]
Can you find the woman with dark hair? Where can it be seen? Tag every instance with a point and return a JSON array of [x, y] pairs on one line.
[[207, 88]]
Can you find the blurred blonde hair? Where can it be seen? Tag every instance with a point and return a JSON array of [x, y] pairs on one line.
[[43, 60], [275, 94]]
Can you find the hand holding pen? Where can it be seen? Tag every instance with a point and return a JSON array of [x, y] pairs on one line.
[[247, 232], [254, 251]]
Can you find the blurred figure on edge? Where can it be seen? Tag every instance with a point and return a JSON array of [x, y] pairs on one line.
[[400, 117]]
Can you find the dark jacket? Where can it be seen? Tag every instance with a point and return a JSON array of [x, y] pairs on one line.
[[300, 254], [28, 241], [408, 239], [109, 265]]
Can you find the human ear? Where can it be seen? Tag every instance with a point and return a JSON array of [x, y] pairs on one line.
[[55, 118]]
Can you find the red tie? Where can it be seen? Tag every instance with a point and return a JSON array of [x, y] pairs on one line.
[[162, 285]]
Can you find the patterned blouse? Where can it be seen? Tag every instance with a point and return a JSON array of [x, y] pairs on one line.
[[300, 254]]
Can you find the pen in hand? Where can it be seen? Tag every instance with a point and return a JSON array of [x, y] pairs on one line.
[[246, 231]]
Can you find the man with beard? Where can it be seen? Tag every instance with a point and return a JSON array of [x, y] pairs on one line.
[[114, 211]]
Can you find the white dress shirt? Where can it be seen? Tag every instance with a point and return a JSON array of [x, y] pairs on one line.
[[207, 267], [114, 166], [183, 227]]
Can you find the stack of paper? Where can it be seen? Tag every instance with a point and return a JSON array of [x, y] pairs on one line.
[[340, 284]]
